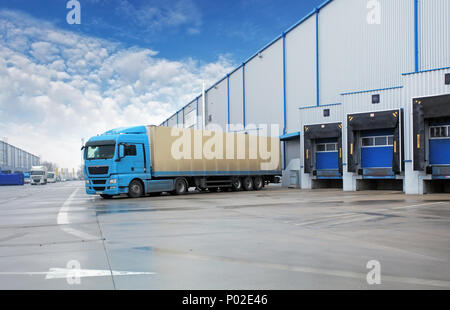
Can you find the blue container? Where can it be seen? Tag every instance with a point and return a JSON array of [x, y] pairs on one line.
[[12, 179]]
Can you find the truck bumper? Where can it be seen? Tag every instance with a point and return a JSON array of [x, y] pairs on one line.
[[103, 187]]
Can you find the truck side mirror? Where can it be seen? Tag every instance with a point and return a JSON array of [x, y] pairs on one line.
[[121, 152]]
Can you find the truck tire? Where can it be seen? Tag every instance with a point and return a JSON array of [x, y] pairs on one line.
[[181, 187], [258, 183], [247, 184], [236, 184], [135, 189]]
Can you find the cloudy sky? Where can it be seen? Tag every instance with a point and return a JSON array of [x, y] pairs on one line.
[[128, 63]]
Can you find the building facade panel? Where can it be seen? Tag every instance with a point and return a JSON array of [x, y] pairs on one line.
[[364, 101], [264, 87], [300, 71], [172, 121], [218, 105], [236, 98], [434, 34], [356, 55]]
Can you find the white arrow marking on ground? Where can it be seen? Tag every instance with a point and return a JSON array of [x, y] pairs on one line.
[[63, 219], [64, 273]]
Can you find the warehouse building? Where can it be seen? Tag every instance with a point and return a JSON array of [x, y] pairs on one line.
[[15, 160], [360, 90]]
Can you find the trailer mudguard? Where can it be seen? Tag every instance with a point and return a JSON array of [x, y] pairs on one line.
[[373, 121], [426, 108], [324, 131]]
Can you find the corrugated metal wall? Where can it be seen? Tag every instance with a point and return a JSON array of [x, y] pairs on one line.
[[217, 106], [300, 71], [434, 25], [172, 122], [236, 98], [354, 57], [315, 115], [264, 87], [362, 102], [15, 159]]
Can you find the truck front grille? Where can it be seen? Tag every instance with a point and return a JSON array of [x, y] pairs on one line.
[[99, 189], [99, 182], [98, 170]]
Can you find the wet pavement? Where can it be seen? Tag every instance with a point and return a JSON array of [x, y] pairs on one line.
[[57, 237]]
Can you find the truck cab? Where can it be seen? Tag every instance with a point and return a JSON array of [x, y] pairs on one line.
[[38, 175], [51, 177], [116, 162], [26, 177]]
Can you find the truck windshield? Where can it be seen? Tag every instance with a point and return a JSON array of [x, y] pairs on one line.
[[37, 172], [100, 152], [51, 175]]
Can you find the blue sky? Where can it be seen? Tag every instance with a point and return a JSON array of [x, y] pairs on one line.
[[202, 29], [129, 63]]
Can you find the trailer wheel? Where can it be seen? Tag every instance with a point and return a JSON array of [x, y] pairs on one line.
[[135, 189], [258, 183], [181, 187], [236, 184], [247, 184]]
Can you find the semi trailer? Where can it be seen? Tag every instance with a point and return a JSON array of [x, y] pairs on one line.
[[153, 159]]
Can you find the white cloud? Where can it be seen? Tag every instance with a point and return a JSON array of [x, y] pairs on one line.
[[157, 15], [57, 87]]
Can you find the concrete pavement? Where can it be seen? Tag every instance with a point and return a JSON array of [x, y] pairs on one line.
[[273, 239]]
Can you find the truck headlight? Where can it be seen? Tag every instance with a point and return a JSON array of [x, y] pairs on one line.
[[113, 181], [87, 182]]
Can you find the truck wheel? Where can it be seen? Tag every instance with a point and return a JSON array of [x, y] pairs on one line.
[[135, 189], [236, 184], [258, 183], [247, 184], [106, 196], [180, 187]]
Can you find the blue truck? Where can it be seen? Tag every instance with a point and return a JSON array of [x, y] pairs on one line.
[[142, 160]]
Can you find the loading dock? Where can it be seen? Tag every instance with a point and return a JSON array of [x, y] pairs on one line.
[[375, 154], [323, 154], [431, 136]]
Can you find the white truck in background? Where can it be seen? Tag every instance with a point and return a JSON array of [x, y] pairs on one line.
[[38, 175], [51, 177]]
